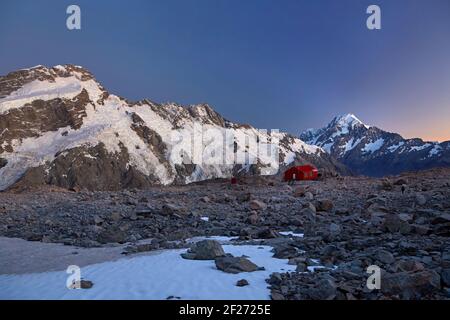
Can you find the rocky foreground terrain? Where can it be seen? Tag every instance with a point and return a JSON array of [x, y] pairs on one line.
[[401, 224]]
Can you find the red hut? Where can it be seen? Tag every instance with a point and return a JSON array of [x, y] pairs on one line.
[[306, 172]]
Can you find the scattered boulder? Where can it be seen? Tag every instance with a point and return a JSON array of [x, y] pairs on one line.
[[257, 205], [116, 216], [111, 235], [420, 229], [242, 283], [420, 199], [309, 196], [98, 219], [82, 284], [170, 209], [310, 206], [276, 296], [325, 289], [301, 267], [384, 256], [299, 192], [244, 197], [441, 218], [3, 162], [410, 266], [392, 223], [445, 277], [400, 182], [309, 214], [230, 264], [144, 210], [410, 285], [205, 199], [334, 228], [253, 219], [204, 250], [324, 205], [386, 185], [285, 251], [267, 233]]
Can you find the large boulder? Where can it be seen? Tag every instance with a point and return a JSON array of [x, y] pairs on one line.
[[285, 251], [445, 275], [393, 223], [230, 264], [204, 250], [324, 205], [111, 235], [257, 205], [267, 233], [325, 289], [410, 285], [384, 256]]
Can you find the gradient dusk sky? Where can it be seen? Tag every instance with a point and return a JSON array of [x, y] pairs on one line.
[[286, 64]]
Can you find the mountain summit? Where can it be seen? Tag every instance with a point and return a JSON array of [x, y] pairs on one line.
[[59, 126], [371, 151]]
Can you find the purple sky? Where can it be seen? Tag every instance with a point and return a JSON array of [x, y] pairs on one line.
[[287, 64]]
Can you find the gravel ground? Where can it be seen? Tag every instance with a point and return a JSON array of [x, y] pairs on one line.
[[401, 224]]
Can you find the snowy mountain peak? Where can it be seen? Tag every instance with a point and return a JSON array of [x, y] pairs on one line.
[[372, 151], [21, 88], [59, 126], [347, 120]]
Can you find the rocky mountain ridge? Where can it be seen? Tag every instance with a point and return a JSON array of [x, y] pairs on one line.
[[372, 151], [59, 126]]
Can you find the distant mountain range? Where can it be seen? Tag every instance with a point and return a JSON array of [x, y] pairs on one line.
[[371, 151], [59, 126]]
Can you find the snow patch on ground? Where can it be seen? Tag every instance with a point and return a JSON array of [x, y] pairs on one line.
[[293, 234], [153, 277], [220, 239]]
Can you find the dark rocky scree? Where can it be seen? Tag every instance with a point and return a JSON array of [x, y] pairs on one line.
[[401, 224]]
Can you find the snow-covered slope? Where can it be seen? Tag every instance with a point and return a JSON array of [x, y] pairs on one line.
[[60, 126], [372, 151]]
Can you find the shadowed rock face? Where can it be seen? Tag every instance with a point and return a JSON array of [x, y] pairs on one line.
[[59, 126], [3, 162], [17, 79], [42, 116], [371, 151], [91, 168]]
